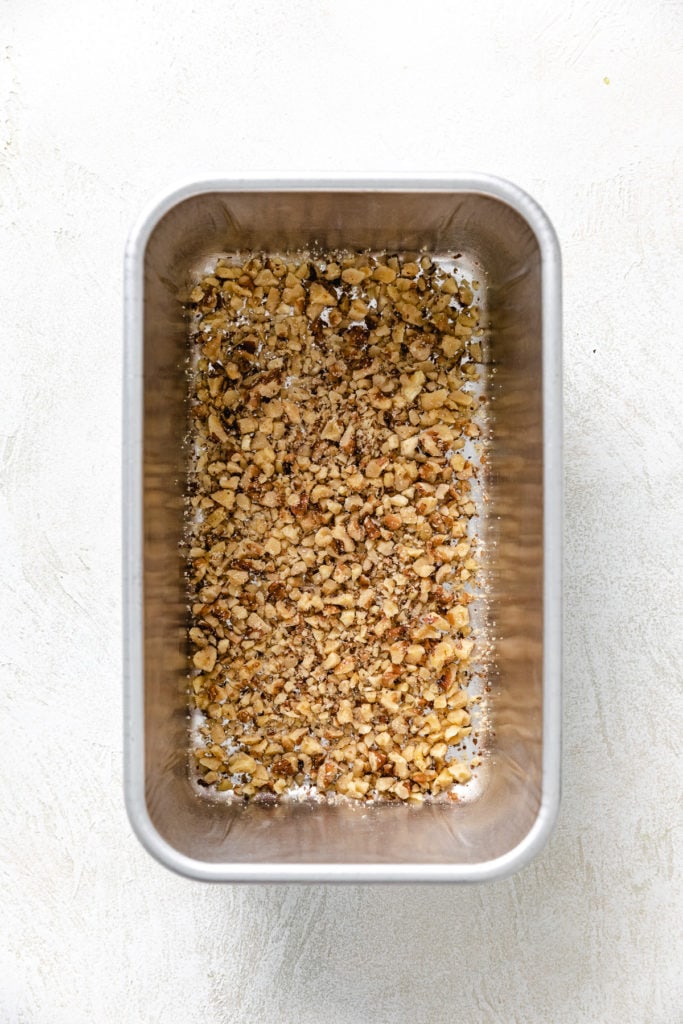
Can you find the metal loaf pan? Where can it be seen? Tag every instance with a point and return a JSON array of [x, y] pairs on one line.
[[503, 232]]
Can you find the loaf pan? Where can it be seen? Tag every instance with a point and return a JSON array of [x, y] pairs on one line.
[[497, 229]]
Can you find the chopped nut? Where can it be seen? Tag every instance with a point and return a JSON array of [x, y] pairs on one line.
[[224, 498], [205, 659], [320, 294], [451, 346], [458, 617], [345, 714], [237, 577], [443, 653], [332, 431], [462, 398], [423, 567], [358, 310], [340, 533], [463, 648], [412, 385], [459, 772], [216, 428], [248, 424], [291, 411], [434, 399], [346, 441], [374, 468], [327, 773], [415, 654], [310, 745], [352, 275], [398, 653], [328, 525], [242, 763]]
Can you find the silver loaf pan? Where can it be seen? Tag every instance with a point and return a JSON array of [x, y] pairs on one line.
[[502, 231]]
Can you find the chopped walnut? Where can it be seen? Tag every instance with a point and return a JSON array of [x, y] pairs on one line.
[[330, 562]]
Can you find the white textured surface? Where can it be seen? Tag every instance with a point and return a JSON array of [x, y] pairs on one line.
[[104, 104]]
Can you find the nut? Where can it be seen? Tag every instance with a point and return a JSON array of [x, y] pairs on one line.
[[352, 275], [434, 399], [423, 567], [332, 431], [320, 294], [415, 654], [441, 655]]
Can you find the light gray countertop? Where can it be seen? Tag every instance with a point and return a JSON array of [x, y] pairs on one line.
[[104, 105]]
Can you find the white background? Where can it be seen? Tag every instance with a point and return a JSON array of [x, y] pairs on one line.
[[104, 104]]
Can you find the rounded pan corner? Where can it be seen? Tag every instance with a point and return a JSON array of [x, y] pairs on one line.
[[531, 846], [529, 208], [150, 215], [154, 843]]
